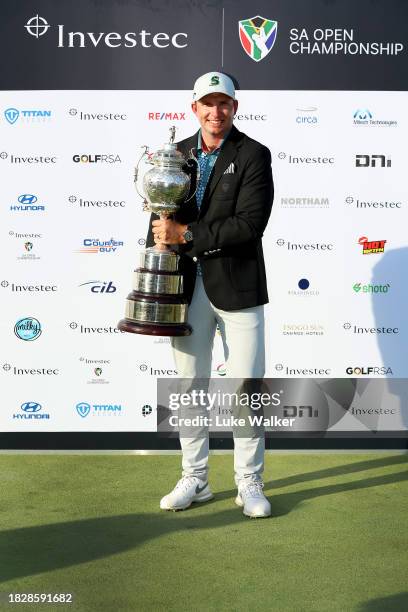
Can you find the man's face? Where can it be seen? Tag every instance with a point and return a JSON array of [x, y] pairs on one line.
[[215, 112]]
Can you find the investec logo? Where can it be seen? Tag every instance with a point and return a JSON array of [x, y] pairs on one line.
[[38, 26], [372, 203], [305, 246]]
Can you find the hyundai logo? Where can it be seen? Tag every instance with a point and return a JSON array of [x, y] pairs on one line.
[[27, 198], [31, 407]]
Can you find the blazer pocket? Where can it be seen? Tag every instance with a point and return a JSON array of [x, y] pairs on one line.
[[226, 187], [244, 274]]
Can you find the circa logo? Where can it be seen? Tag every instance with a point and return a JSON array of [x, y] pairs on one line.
[[37, 26], [307, 117], [27, 328], [257, 36]]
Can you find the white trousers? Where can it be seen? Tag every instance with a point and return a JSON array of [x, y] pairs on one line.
[[242, 333]]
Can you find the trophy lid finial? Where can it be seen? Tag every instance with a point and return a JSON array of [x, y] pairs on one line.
[[172, 133]]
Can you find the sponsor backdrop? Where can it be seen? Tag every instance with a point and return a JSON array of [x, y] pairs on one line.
[[323, 85]]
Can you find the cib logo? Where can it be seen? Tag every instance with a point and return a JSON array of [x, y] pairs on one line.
[[97, 286]]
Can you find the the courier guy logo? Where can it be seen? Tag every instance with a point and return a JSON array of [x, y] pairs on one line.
[[38, 26]]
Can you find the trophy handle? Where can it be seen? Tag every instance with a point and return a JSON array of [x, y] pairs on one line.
[[145, 152], [194, 158]]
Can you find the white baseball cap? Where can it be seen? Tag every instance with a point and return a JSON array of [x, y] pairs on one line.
[[213, 82]]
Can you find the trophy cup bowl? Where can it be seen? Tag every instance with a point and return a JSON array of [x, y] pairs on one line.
[[156, 305]]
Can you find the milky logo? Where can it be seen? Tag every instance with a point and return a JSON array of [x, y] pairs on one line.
[[28, 328], [257, 36]]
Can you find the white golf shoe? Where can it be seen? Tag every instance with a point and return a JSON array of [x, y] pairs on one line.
[[189, 489], [251, 498]]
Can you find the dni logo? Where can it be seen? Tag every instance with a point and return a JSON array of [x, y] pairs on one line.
[[372, 161], [300, 411]]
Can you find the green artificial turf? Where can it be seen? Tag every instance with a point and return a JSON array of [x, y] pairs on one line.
[[91, 525]]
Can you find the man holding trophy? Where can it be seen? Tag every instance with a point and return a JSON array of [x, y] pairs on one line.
[[217, 235]]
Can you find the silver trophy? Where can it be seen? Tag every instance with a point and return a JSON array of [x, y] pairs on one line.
[[156, 306]]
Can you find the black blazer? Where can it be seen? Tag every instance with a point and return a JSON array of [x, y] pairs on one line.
[[228, 227]]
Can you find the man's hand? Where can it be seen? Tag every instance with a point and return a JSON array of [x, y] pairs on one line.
[[166, 231]]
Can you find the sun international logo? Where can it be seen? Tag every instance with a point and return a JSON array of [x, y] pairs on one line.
[[371, 246], [257, 36]]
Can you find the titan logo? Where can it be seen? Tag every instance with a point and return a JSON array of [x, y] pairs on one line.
[[373, 161]]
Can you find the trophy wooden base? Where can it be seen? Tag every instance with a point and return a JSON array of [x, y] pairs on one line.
[[155, 329]]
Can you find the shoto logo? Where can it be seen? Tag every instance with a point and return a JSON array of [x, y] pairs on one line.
[[373, 161], [371, 288], [27, 328], [257, 36], [371, 246], [27, 203], [98, 286]]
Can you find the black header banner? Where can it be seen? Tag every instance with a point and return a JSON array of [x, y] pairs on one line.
[[158, 44]]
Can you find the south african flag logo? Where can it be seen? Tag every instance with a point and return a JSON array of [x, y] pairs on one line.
[[257, 36]]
